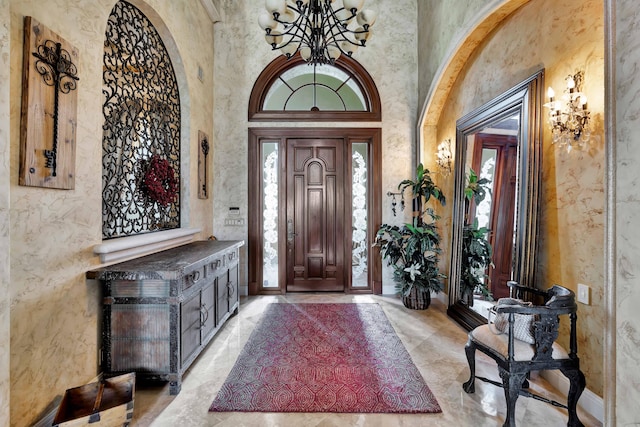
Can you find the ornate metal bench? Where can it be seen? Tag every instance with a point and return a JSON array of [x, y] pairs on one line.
[[516, 359]]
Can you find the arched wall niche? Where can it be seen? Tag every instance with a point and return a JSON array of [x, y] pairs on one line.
[[453, 64], [433, 127], [123, 248]]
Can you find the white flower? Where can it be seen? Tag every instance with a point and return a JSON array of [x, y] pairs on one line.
[[413, 271]]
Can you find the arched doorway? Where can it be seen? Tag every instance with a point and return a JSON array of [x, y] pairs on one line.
[[314, 192]]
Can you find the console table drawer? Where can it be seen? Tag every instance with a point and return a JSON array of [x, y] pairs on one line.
[[193, 277]]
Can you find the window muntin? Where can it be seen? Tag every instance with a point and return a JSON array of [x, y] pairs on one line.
[[314, 88]]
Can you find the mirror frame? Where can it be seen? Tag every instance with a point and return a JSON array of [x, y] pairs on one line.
[[525, 98]]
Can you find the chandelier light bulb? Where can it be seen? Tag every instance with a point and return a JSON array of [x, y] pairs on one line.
[[366, 18], [353, 5], [348, 47], [276, 6], [289, 49], [305, 53], [266, 21], [274, 38], [551, 93], [288, 16], [333, 52], [362, 35]]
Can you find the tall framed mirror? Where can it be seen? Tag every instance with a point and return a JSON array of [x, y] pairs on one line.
[[496, 195]]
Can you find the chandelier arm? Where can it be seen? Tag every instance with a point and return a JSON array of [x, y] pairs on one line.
[[345, 22], [295, 31], [338, 30], [334, 14], [317, 29], [288, 26], [333, 22]]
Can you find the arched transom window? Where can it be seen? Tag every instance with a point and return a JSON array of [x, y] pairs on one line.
[[315, 88], [292, 90]]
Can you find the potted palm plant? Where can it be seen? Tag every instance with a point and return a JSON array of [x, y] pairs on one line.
[[476, 249], [413, 249]]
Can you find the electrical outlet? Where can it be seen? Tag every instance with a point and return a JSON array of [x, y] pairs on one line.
[[583, 294]]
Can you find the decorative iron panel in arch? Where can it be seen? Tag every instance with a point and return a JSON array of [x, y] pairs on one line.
[[141, 131]]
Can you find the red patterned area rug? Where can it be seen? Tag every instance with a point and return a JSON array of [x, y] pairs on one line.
[[325, 358]]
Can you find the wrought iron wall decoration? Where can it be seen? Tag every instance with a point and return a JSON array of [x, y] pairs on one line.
[[394, 202], [141, 131], [56, 68], [50, 76], [203, 152]]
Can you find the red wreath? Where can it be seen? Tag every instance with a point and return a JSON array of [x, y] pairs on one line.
[[159, 182]]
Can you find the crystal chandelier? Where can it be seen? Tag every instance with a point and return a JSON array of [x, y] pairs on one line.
[[321, 30], [569, 116]]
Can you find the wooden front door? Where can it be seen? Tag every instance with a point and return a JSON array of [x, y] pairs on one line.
[[315, 182], [301, 210]]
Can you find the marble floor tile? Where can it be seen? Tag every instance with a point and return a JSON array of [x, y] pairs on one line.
[[434, 341]]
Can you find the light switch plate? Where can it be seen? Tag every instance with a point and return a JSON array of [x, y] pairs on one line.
[[583, 294]]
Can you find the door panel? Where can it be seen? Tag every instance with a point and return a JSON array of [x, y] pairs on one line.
[[222, 296], [190, 337], [315, 214], [208, 310]]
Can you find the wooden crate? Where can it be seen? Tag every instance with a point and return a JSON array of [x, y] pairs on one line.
[[106, 403]]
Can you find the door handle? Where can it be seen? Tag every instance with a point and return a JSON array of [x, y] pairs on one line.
[[290, 229]]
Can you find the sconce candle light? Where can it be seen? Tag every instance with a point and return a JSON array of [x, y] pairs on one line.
[[444, 157], [569, 116]]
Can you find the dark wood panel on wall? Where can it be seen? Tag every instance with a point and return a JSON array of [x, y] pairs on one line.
[[49, 103]]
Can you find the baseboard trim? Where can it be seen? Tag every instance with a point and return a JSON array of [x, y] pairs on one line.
[[441, 296], [589, 401]]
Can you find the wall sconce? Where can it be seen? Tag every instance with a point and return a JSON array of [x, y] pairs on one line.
[[444, 157], [569, 116]]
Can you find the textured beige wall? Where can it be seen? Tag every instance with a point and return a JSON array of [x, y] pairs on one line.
[[242, 53], [440, 24], [626, 84], [545, 33], [5, 225], [54, 311]]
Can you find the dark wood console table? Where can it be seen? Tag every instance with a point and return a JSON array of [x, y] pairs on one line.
[[161, 310]]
